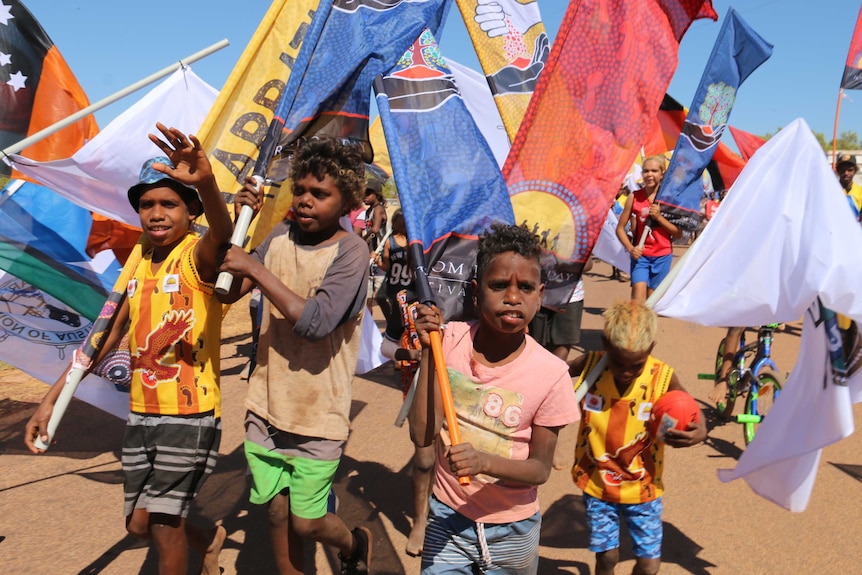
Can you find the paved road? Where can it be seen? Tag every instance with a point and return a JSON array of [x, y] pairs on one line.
[[61, 513]]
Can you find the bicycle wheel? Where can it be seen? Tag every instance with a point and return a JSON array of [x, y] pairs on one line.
[[759, 402], [725, 408]]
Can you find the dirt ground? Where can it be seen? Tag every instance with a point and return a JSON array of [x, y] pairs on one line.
[[61, 513]]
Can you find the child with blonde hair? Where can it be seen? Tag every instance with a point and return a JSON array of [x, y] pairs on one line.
[[618, 464]]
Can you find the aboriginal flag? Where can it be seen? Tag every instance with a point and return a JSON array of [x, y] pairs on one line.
[[37, 89], [852, 78], [591, 111]]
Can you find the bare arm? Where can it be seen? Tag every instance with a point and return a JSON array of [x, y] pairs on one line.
[[193, 168], [37, 425], [464, 460], [621, 228], [426, 417], [656, 215]]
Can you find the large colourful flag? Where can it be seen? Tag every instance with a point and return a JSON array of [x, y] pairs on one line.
[[513, 47], [243, 114], [724, 166], [738, 51], [592, 109], [37, 89], [852, 78], [746, 142], [450, 186], [39, 334], [747, 269], [43, 240]]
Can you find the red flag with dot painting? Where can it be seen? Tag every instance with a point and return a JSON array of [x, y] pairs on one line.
[[594, 104]]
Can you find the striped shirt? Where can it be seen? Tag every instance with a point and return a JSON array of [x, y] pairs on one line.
[[175, 336], [616, 460]]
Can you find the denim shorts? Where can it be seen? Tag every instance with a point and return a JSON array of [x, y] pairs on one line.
[[650, 269], [642, 519]]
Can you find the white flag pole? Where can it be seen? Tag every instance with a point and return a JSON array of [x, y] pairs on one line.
[[44, 133]]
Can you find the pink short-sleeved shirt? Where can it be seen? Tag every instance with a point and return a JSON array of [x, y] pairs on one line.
[[496, 408]]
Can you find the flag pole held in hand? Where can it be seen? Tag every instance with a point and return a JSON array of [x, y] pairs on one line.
[[240, 229]]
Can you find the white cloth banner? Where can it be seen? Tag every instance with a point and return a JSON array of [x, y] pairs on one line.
[[780, 241], [98, 175], [608, 247]]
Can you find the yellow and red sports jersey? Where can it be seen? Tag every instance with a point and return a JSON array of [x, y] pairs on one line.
[[616, 459], [175, 337]]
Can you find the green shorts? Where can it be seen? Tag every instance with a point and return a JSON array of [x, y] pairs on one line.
[[279, 462]]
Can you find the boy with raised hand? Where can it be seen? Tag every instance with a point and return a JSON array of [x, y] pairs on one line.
[[512, 397], [618, 464], [312, 274], [174, 428]]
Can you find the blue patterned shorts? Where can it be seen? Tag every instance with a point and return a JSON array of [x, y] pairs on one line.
[[642, 519]]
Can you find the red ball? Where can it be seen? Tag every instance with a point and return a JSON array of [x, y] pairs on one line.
[[674, 409]]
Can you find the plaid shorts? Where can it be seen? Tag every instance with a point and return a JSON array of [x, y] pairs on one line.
[[166, 459]]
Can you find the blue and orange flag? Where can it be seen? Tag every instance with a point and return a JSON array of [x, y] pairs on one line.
[[852, 78], [450, 186], [738, 51], [37, 90], [724, 166], [591, 111]]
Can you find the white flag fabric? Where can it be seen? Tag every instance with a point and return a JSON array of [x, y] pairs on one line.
[[608, 246], [783, 238], [811, 412], [39, 333], [98, 175]]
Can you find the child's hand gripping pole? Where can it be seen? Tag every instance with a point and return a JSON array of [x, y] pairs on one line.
[[90, 346], [423, 289], [446, 394], [240, 229]]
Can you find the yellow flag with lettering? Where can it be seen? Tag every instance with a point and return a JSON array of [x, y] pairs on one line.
[[239, 119]]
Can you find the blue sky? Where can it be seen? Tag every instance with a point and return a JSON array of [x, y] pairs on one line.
[[111, 44]]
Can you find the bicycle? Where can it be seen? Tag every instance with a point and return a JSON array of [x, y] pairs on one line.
[[758, 380]]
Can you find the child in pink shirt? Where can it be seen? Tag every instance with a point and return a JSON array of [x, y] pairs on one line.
[[511, 396]]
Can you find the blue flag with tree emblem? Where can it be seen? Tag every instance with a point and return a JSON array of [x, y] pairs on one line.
[[450, 185], [738, 51]]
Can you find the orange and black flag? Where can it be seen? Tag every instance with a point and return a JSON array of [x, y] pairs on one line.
[[37, 90]]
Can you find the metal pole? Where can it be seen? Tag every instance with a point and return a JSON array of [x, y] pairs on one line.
[[44, 133]]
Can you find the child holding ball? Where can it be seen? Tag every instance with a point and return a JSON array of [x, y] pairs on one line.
[[618, 464]]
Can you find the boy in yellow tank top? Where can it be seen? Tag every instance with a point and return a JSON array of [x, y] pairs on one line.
[[618, 465], [174, 429]]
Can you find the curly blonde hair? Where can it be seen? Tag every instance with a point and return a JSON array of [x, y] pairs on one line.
[[324, 156], [630, 325]]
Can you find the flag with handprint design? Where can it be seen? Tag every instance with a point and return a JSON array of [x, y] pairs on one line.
[[738, 51], [512, 46]]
